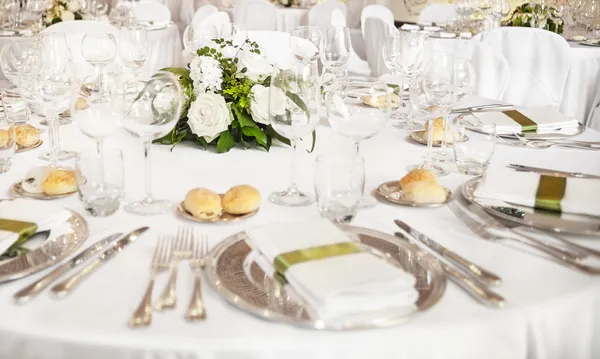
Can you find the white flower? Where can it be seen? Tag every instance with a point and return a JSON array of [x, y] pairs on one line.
[[67, 16], [259, 103], [209, 115], [73, 6], [48, 18], [257, 67], [206, 73]]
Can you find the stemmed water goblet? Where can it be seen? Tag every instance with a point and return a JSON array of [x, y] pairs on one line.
[[99, 50], [464, 8], [336, 52], [498, 10], [133, 48], [539, 12], [294, 102], [391, 58], [149, 110], [306, 43], [36, 8], [587, 14]]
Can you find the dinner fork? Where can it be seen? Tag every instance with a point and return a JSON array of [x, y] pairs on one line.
[[181, 250], [142, 316], [196, 309]]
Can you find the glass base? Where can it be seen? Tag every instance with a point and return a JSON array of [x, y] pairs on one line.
[[437, 170], [61, 121], [149, 207], [291, 198], [407, 126], [59, 155], [366, 202], [442, 156]]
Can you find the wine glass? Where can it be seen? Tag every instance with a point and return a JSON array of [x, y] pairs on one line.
[[335, 55], [587, 14], [149, 110], [391, 58], [196, 38], [99, 50], [233, 32], [133, 48], [498, 10], [53, 86], [306, 43], [294, 102], [539, 11], [36, 8], [464, 8]]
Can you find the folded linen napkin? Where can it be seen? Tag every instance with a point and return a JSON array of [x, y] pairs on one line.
[[542, 120], [336, 286], [21, 218], [569, 195]]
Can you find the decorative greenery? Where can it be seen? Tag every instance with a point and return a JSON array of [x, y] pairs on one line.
[[64, 11], [523, 16]]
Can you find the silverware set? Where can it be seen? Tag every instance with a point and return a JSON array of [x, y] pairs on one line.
[[522, 168], [518, 140], [168, 255]]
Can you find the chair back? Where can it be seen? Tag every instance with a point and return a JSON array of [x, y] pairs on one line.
[[255, 15], [151, 11], [377, 11], [320, 14], [438, 13], [492, 72], [377, 31]]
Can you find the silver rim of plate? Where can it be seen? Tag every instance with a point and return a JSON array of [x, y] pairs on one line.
[[65, 239], [223, 218], [27, 148], [17, 190], [535, 136], [257, 294], [417, 136], [566, 222], [391, 192], [590, 43]]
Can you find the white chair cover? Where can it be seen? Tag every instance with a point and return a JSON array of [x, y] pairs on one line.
[[320, 15], [492, 72], [255, 15], [539, 63], [357, 65], [354, 10], [275, 46], [198, 15], [151, 11], [338, 19], [438, 13], [377, 11], [377, 31], [212, 24]]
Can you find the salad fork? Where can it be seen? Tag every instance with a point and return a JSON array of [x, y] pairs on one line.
[[196, 309], [182, 250]]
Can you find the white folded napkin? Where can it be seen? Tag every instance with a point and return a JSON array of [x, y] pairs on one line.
[[334, 287], [581, 194], [548, 119], [44, 214]]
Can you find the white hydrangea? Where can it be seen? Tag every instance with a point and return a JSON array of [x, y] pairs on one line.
[[206, 73]]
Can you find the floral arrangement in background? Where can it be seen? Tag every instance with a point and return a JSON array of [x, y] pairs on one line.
[[64, 11], [523, 16], [226, 90]]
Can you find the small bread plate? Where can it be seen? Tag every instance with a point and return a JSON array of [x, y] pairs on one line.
[[223, 218], [17, 190], [529, 216], [418, 137], [391, 192], [27, 148]]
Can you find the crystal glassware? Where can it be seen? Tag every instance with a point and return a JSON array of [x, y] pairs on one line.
[[35, 8], [149, 110], [15, 107], [294, 103], [7, 144], [133, 48], [100, 181], [196, 38], [391, 57], [539, 12], [306, 43], [473, 151], [99, 50], [337, 48], [464, 8], [587, 14], [339, 186]]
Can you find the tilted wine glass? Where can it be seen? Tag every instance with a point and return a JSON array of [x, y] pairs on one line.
[[99, 50], [133, 48]]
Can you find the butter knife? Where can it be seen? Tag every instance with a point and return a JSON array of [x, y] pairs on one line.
[[36, 287], [522, 168], [63, 288], [483, 108], [486, 277], [480, 292]]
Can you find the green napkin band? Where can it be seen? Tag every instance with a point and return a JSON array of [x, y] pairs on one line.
[[285, 260], [526, 123], [550, 193]]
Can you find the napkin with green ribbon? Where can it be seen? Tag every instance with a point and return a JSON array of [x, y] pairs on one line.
[[540, 120], [21, 218], [333, 274], [558, 194]]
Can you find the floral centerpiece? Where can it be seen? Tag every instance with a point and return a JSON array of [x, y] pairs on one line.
[[64, 11], [523, 16], [226, 90]]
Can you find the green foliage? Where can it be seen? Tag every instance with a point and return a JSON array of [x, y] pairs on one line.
[[523, 15]]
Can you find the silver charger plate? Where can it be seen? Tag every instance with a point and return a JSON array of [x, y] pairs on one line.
[[391, 192], [257, 294], [17, 190], [565, 222], [64, 240]]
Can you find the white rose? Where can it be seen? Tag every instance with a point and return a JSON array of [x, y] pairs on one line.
[[257, 67], [259, 103], [67, 16], [73, 6], [209, 115]]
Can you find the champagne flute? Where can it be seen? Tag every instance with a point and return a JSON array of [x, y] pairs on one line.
[[294, 102], [335, 56], [99, 50], [149, 110], [391, 58], [133, 48]]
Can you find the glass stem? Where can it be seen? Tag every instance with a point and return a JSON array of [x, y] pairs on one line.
[[148, 171], [53, 134], [100, 149], [356, 145], [99, 82], [293, 187], [428, 160], [444, 145], [411, 89]]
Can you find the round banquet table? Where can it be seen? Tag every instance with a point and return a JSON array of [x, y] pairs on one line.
[[551, 312], [288, 18]]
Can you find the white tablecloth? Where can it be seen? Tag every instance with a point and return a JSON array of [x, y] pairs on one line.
[[551, 313], [288, 18]]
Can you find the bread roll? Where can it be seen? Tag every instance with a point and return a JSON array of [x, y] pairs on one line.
[[27, 135], [81, 103], [426, 192], [241, 200], [416, 176], [60, 181], [4, 138], [438, 131], [203, 203], [34, 179]]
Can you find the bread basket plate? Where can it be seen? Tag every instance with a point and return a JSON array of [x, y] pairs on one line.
[[235, 275], [223, 218], [27, 148], [17, 190], [419, 137], [391, 192]]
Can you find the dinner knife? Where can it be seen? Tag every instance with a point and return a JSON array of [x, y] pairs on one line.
[[522, 168], [36, 287], [483, 108], [486, 277], [480, 292], [63, 288]]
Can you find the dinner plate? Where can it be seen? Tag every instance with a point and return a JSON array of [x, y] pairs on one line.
[[391, 192], [418, 137], [239, 280], [27, 148], [223, 218], [62, 241], [552, 221], [17, 190]]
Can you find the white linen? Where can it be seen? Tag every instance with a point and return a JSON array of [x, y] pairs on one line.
[[492, 72], [338, 286], [151, 11], [581, 194], [547, 119], [438, 13], [45, 214], [255, 15]]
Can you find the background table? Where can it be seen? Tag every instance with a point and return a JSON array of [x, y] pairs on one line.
[[551, 312], [288, 18]]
